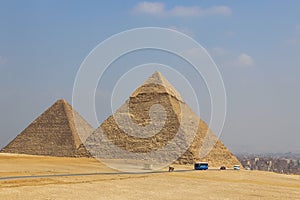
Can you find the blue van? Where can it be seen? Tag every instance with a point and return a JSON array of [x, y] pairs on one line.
[[201, 166]]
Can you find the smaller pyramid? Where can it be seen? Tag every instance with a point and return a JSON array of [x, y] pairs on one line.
[[53, 133]]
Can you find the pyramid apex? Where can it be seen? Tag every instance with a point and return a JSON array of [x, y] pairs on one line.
[[157, 79], [157, 73], [61, 101]]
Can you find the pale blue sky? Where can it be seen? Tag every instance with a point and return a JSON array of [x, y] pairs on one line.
[[255, 45]]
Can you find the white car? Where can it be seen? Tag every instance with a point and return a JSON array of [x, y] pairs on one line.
[[236, 167]]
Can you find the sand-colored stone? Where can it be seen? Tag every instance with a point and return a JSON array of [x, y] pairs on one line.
[[53, 133], [180, 129]]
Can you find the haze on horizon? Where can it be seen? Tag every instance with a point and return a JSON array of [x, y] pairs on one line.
[[255, 45]]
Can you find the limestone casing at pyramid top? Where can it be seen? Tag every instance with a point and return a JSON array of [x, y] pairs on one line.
[[152, 85]]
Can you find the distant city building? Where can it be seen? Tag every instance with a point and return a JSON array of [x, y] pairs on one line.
[[275, 163]]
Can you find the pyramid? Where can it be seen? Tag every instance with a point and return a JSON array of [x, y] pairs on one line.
[[155, 125], [53, 133]]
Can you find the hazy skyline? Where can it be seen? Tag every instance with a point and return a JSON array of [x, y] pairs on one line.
[[255, 45]]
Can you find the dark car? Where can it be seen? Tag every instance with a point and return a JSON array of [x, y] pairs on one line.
[[223, 168]]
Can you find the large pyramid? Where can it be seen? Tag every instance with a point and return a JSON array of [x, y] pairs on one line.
[[155, 125], [53, 133]]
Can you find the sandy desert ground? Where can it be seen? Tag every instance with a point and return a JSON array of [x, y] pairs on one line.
[[211, 184]]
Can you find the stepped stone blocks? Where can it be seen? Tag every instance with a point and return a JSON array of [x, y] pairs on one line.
[[156, 125], [53, 133]]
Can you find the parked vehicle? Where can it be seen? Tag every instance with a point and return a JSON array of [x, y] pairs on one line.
[[223, 168], [201, 166], [236, 167]]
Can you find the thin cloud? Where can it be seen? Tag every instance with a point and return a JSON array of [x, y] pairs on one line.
[[231, 59], [184, 30], [151, 8], [245, 60], [159, 9], [218, 52], [218, 10], [183, 11]]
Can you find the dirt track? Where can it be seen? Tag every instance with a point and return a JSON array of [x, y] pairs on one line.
[[186, 185]]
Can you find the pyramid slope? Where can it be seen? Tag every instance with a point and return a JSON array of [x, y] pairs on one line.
[[157, 90], [218, 154], [53, 133]]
